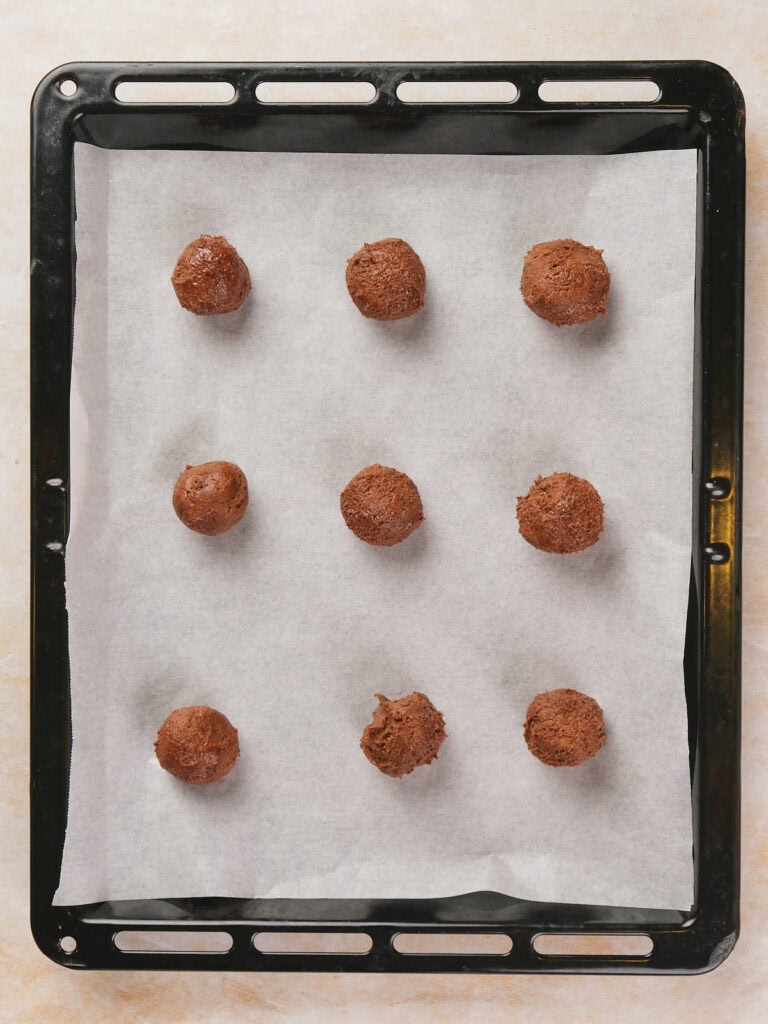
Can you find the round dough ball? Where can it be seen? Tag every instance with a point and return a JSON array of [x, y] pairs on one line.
[[386, 280], [211, 498], [210, 277], [381, 506], [561, 514], [565, 282], [403, 734], [197, 744], [564, 728]]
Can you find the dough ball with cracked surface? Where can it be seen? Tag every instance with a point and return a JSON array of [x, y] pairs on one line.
[[386, 280], [197, 744], [210, 277], [211, 498], [561, 513], [564, 728], [381, 505], [403, 734], [565, 282]]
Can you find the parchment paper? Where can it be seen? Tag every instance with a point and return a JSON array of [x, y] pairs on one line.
[[289, 624]]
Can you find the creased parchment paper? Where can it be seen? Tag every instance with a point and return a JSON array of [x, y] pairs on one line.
[[289, 624]]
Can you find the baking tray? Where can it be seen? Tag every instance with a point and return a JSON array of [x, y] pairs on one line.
[[699, 107]]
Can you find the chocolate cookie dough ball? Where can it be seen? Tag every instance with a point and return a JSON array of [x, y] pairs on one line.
[[386, 280], [210, 277], [564, 728], [381, 506], [565, 282], [197, 744], [561, 513], [212, 497], [403, 734]]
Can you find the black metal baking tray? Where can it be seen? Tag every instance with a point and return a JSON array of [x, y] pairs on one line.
[[699, 107]]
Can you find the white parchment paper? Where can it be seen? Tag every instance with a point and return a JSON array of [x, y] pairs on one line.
[[289, 624]]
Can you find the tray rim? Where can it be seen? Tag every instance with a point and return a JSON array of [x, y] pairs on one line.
[[683, 943]]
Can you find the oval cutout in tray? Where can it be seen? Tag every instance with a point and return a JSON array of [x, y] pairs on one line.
[[172, 941], [453, 943], [315, 92], [642, 90], [572, 944], [457, 92], [174, 92], [313, 942]]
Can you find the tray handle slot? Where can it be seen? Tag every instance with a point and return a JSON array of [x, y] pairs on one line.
[[172, 941], [300, 92], [190, 92], [452, 943], [629, 90], [593, 944], [435, 91], [349, 943]]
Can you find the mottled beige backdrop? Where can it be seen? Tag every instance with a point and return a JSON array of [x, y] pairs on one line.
[[37, 37]]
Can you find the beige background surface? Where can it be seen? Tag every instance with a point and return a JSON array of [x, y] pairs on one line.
[[38, 37]]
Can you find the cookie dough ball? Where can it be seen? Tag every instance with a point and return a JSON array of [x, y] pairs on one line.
[[386, 280], [565, 282], [197, 744], [564, 728], [381, 506], [561, 513], [403, 734], [212, 497], [210, 277]]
